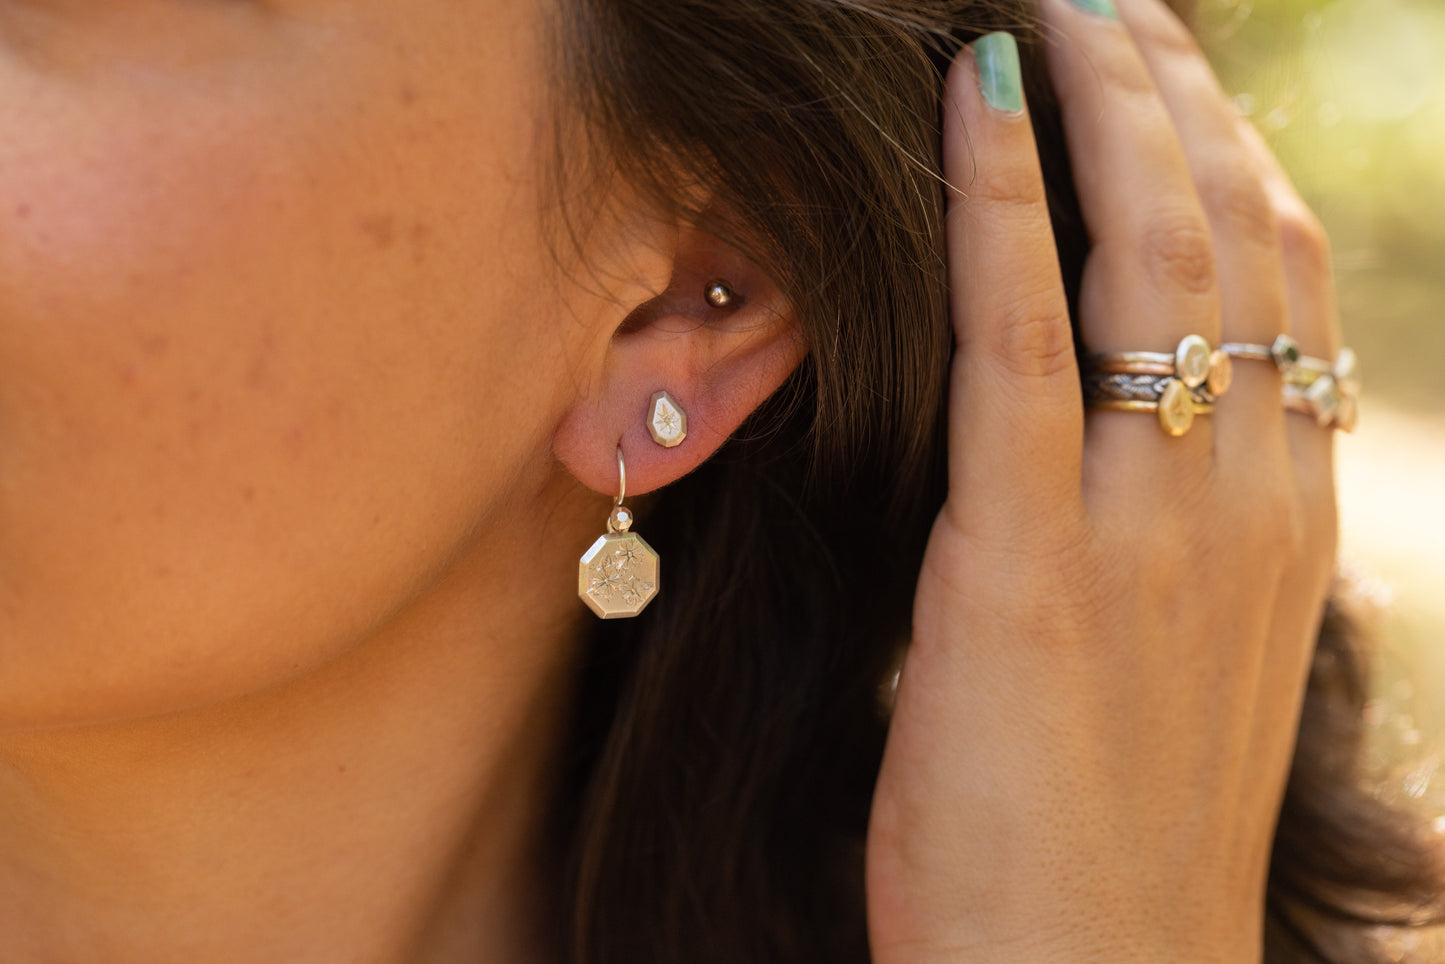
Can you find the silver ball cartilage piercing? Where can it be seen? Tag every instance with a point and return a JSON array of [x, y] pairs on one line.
[[719, 294]]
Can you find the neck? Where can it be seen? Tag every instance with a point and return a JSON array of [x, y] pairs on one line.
[[388, 807]]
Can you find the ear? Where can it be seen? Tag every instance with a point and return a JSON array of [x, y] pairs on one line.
[[718, 364]]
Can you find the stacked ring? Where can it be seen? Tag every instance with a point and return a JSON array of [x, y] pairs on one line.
[[1284, 353], [1176, 387], [1327, 392]]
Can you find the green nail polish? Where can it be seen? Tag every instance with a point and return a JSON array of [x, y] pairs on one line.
[[998, 71], [1104, 8]]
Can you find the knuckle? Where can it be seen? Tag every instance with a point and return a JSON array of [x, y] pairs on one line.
[[1034, 340], [1238, 204], [1122, 69], [1303, 241], [1169, 35], [1178, 252], [1010, 187]]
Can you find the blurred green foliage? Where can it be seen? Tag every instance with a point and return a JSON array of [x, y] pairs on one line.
[[1351, 95]]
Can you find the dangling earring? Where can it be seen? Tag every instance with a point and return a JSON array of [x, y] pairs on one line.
[[618, 575]]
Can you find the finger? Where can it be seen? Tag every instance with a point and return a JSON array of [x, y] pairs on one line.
[[1242, 219], [1229, 185], [1016, 419], [1273, 275], [1313, 316], [1313, 322], [1150, 279], [1309, 297]]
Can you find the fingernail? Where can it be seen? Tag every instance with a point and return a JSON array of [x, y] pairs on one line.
[[1104, 8], [998, 71]]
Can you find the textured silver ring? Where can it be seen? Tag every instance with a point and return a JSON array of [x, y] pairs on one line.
[[1166, 397], [1124, 387]]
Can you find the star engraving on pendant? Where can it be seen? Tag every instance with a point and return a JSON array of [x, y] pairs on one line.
[[618, 575], [629, 554], [666, 421], [614, 575]]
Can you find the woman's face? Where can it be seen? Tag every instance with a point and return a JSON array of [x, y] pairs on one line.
[[279, 330]]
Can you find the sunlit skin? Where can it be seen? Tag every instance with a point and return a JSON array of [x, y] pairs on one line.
[[297, 398], [306, 414]]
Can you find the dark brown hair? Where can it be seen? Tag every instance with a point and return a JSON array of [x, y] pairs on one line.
[[726, 743]]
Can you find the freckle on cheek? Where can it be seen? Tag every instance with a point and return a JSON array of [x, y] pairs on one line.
[[154, 344], [380, 228], [22, 210]]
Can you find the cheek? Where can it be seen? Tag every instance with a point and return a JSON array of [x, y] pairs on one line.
[[234, 430]]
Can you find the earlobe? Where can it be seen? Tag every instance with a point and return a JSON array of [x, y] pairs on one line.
[[681, 371]]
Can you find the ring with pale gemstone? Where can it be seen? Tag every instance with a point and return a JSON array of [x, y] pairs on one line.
[[1176, 387], [1328, 392], [1194, 363]]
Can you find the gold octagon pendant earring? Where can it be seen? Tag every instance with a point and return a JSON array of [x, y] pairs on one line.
[[617, 576]]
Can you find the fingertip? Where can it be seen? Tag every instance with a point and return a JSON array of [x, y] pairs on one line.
[[989, 70], [1000, 75]]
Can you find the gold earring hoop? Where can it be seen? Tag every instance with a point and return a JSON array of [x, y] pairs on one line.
[[617, 575]]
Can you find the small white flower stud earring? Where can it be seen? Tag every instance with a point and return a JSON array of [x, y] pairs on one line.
[[666, 420]]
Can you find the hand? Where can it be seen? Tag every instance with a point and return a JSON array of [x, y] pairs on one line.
[[1112, 628]]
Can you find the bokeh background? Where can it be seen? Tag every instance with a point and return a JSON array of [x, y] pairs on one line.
[[1351, 95]]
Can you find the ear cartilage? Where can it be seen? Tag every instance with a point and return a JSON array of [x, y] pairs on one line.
[[719, 294], [666, 420]]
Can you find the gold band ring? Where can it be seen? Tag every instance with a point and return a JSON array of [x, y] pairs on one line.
[[1166, 396], [1176, 411]]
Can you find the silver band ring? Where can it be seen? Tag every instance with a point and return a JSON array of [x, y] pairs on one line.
[[1284, 353], [1100, 386], [1193, 362]]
